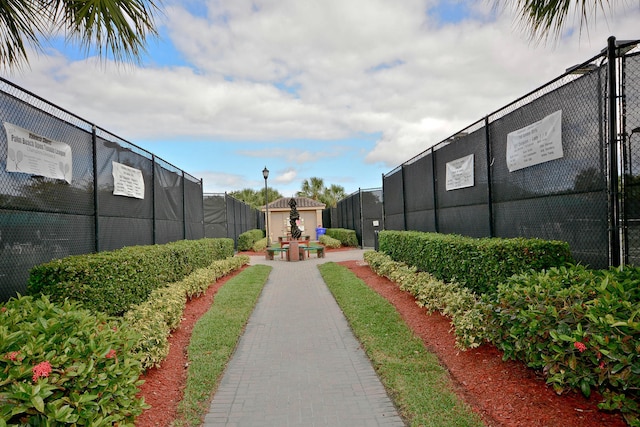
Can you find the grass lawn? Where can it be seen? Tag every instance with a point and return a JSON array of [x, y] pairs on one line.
[[419, 386], [214, 339]]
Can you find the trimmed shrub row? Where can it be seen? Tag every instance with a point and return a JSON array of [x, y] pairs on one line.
[[260, 245], [247, 239], [580, 328], [162, 312], [457, 302], [345, 236], [113, 281], [479, 264], [330, 242], [64, 364]]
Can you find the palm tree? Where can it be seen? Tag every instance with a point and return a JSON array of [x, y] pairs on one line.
[[315, 189], [255, 198], [547, 17], [332, 195], [312, 188], [117, 28]]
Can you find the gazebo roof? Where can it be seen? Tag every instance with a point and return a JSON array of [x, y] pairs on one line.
[[303, 203]]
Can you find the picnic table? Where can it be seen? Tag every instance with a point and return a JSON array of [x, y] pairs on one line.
[[304, 250]]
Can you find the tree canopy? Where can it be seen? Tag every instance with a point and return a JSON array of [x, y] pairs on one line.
[[113, 28], [255, 198], [314, 188]]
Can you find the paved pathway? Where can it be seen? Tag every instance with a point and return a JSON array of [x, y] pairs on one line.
[[298, 363]]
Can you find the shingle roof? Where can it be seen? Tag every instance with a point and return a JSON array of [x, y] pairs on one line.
[[301, 202]]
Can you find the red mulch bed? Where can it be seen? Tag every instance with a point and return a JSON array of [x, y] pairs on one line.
[[505, 394], [163, 386]]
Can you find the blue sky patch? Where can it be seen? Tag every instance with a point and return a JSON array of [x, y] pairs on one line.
[[450, 11], [386, 65]]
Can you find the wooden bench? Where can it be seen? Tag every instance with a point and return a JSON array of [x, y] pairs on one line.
[[271, 251], [319, 250]]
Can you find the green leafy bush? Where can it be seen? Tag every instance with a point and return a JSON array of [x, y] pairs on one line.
[[113, 281], [247, 239], [152, 344], [162, 312], [260, 245], [478, 264], [450, 299], [345, 236], [580, 327], [198, 283], [62, 364], [330, 242]]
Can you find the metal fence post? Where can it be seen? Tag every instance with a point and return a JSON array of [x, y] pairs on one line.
[[184, 208], [434, 183], [404, 199], [153, 197], [614, 227], [96, 207], [487, 136]]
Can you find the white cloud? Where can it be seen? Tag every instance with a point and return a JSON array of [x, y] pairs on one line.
[[286, 176], [351, 67], [215, 182]]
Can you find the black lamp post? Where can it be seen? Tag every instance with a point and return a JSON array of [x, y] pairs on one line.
[[265, 174]]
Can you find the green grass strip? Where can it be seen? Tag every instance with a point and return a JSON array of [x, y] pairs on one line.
[[413, 377], [214, 340]]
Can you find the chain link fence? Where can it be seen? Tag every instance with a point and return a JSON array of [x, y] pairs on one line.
[[59, 195], [362, 211], [504, 176], [630, 74], [226, 216]]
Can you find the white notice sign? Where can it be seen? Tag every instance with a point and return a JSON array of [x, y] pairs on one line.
[[459, 173], [127, 181], [37, 155], [537, 143]]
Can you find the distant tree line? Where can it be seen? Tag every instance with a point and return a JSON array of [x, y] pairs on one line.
[[313, 188]]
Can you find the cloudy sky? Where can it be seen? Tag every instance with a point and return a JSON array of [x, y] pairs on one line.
[[345, 90]]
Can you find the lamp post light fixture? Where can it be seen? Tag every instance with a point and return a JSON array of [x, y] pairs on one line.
[[265, 174]]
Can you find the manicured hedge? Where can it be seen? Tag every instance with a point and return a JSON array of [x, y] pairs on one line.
[[162, 312], [64, 364], [113, 281], [579, 328], [330, 242], [479, 264], [346, 237], [247, 239]]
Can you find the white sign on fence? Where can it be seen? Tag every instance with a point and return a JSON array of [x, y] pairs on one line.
[[37, 155], [127, 181], [537, 143], [459, 173]]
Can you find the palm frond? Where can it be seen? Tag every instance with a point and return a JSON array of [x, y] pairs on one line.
[[20, 23], [547, 18], [119, 28]]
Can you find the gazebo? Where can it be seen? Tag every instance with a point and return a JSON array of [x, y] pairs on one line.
[[310, 217]]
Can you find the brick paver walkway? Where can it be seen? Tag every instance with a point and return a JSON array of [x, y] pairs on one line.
[[298, 363]]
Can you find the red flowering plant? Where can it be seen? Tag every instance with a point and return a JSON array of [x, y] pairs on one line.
[[580, 327], [59, 364]]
